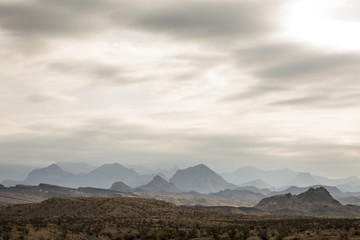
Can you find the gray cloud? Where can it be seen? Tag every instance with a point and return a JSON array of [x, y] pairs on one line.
[[40, 21], [97, 72], [211, 19], [314, 77], [49, 18], [49, 97], [325, 100]]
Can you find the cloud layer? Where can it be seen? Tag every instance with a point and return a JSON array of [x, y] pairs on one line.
[[168, 82]]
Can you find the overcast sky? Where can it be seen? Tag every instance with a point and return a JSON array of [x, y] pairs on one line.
[[231, 83]]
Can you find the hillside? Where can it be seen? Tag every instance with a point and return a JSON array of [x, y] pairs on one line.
[[96, 207], [137, 218], [314, 202]]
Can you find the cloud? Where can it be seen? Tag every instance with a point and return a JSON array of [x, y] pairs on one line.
[[209, 20], [41, 21], [51, 18], [97, 72], [50, 97], [291, 74], [325, 100], [348, 10]]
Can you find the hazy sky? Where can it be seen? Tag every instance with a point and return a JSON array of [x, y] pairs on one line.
[[269, 83]]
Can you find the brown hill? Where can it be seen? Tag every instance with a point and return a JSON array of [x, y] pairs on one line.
[[314, 202], [99, 207]]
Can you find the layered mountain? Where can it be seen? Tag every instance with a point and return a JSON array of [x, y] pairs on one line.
[[263, 191], [105, 175], [101, 177], [237, 194], [200, 178], [258, 183], [159, 185], [14, 172], [303, 180], [52, 174], [76, 167], [314, 202], [276, 178]]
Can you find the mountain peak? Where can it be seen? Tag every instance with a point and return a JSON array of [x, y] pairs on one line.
[[201, 167], [158, 179], [303, 180], [54, 167], [200, 178], [121, 187], [319, 194], [159, 185]]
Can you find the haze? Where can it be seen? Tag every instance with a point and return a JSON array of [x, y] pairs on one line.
[[272, 84]]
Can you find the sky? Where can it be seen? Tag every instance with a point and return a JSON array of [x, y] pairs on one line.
[[271, 84]]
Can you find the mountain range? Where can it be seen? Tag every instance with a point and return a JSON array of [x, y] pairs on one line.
[[194, 182]]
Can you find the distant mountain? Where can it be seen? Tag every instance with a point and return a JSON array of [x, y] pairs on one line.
[[52, 174], [11, 183], [105, 175], [263, 191], [76, 167], [334, 191], [101, 177], [314, 202], [159, 185], [200, 178], [164, 173], [121, 187], [258, 183], [303, 180], [349, 188], [14, 172], [276, 178], [237, 194], [339, 181]]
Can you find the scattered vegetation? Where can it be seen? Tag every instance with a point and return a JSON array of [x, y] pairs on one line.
[[134, 218]]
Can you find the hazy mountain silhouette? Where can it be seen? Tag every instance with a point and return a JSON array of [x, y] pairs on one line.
[[121, 187], [303, 180], [105, 175], [200, 178], [14, 172], [76, 167], [52, 174], [237, 194], [263, 191], [159, 185], [101, 177], [276, 178], [258, 183]]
